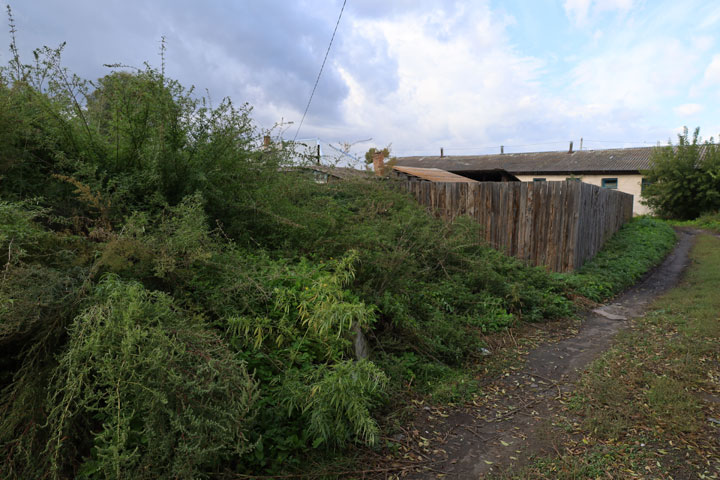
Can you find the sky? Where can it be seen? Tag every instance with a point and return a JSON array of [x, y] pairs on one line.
[[418, 75]]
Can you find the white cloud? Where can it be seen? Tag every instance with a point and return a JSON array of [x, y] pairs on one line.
[[710, 20], [703, 42], [459, 82], [712, 72], [636, 76], [577, 10], [688, 109], [456, 78], [581, 11]]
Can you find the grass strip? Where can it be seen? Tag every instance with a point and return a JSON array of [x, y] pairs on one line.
[[708, 221], [649, 407], [637, 247]]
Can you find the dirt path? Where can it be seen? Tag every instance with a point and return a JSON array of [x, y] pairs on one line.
[[513, 421]]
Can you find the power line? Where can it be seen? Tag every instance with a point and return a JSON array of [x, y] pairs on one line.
[[321, 70]]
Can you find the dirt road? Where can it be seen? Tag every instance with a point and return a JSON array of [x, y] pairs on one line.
[[513, 421]]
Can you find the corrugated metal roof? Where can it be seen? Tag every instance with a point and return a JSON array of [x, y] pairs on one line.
[[433, 174], [585, 161]]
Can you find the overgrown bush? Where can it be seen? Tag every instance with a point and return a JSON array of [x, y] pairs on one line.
[[130, 141], [709, 221], [684, 180], [638, 246], [139, 391]]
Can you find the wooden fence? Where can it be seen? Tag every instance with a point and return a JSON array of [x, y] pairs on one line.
[[556, 224]]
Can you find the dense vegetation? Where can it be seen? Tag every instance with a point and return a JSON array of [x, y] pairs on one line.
[[627, 256], [684, 180], [174, 302], [707, 221]]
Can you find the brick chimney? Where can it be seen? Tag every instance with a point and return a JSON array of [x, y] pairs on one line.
[[266, 142], [379, 163]]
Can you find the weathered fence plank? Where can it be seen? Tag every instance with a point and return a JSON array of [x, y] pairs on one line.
[[556, 224]]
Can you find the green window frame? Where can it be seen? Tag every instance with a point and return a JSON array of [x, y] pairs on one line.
[[539, 179], [611, 183]]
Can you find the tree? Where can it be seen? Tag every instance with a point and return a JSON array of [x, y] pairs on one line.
[[388, 163], [683, 181], [371, 153]]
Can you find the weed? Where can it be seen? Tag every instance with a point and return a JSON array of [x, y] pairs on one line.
[[637, 247]]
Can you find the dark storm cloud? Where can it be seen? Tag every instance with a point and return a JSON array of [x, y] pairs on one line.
[[369, 61], [95, 33], [265, 52], [417, 73], [273, 48]]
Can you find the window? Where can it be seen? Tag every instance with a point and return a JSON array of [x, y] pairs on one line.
[[573, 179], [320, 177], [538, 179], [645, 183], [610, 183]]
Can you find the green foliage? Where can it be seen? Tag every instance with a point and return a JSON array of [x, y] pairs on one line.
[[372, 151], [709, 221], [160, 394], [413, 372], [638, 246], [684, 180], [311, 307], [19, 233], [40, 278], [433, 282], [137, 141], [292, 322], [337, 401]]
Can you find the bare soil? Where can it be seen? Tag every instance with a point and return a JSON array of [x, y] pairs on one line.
[[512, 420]]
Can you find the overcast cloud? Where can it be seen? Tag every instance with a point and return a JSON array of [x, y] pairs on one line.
[[465, 75]]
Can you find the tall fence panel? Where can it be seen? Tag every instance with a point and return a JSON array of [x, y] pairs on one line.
[[556, 224]]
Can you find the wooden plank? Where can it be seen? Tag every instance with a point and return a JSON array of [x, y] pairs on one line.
[[573, 221], [520, 220], [557, 224], [528, 221], [514, 217]]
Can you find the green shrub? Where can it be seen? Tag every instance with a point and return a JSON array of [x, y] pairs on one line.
[[141, 391], [336, 400], [684, 180], [128, 142], [709, 221], [638, 246], [19, 233]]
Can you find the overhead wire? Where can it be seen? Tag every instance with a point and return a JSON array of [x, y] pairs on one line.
[[317, 80]]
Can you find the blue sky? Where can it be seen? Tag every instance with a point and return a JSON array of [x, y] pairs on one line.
[[464, 75]]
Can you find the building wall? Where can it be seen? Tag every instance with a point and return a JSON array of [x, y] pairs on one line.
[[631, 184]]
